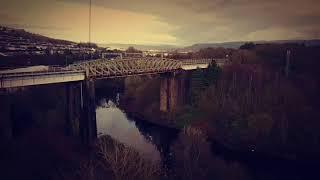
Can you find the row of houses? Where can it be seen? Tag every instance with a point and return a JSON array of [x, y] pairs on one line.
[[14, 44]]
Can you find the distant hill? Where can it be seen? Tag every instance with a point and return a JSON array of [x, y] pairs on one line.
[[197, 47], [141, 47], [313, 42], [31, 37], [236, 45]]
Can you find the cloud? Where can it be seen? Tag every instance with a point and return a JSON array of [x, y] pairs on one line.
[[195, 21], [4, 17], [224, 20]]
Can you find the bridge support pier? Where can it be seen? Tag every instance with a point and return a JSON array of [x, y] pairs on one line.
[[5, 118], [78, 118], [88, 124], [73, 109], [81, 112], [173, 91]]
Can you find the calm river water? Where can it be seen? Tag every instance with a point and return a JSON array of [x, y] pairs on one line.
[[149, 139], [154, 143]]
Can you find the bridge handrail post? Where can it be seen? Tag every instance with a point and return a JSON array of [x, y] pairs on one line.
[[87, 72]]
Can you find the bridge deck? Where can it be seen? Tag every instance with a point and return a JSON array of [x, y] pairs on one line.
[[37, 78], [101, 68]]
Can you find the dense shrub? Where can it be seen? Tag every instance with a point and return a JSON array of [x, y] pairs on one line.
[[194, 159], [250, 107]]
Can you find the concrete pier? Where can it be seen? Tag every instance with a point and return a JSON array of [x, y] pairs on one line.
[[81, 111], [74, 116], [5, 118], [173, 91], [73, 109], [88, 123]]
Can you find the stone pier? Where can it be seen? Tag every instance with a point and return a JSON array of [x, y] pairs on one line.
[[81, 112], [88, 124], [174, 91], [5, 117], [75, 116], [73, 109]]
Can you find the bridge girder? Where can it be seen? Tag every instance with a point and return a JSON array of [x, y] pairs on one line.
[[104, 68]]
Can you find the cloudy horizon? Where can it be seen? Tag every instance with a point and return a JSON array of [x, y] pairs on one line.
[[174, 22]]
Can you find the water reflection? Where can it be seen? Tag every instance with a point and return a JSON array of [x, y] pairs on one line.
[[112, 121]]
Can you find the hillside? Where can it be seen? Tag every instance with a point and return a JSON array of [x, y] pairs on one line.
[[197, 47], [237, 44], [12, 33], [160, 47]]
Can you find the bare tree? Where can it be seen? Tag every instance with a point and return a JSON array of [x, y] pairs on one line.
[[125, 162]]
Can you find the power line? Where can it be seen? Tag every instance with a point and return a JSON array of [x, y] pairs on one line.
[[90, 6]]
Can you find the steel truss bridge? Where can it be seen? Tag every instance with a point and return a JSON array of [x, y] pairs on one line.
[[102, 68]]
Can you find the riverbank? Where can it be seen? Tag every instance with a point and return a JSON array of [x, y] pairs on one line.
[[223, 148], [271, 164]]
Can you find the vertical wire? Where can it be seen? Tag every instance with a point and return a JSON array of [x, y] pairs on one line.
[[90, 23]]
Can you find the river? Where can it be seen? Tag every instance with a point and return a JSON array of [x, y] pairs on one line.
[[154, 143], [150, 140]]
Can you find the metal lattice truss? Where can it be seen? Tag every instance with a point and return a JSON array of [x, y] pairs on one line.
[[103, 68]]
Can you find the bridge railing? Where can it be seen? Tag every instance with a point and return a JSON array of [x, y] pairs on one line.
[[185, 61], [49, 71], [196, 61]]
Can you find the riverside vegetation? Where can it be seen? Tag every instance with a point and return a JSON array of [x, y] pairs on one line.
[[257, 102]]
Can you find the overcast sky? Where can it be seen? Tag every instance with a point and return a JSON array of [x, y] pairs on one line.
[[179, 22]]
